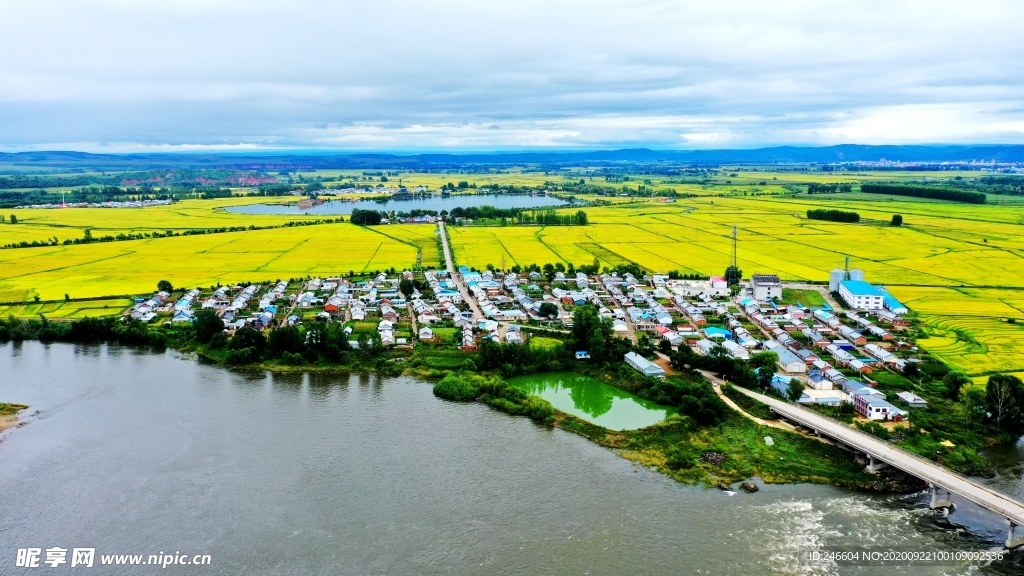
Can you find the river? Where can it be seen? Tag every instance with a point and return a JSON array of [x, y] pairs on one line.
[[435, 203], [139, 452]]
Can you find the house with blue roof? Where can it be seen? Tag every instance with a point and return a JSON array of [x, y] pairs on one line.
[[893, 305]]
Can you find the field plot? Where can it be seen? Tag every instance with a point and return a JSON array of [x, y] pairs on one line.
[[978, 330], [423, 237], [134, 267], [183, 215], [67, 310]]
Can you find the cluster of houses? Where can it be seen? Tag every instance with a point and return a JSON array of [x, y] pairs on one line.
[[109, 204], [817, 346]]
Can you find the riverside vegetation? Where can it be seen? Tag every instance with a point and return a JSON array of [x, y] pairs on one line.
[[704, 442]]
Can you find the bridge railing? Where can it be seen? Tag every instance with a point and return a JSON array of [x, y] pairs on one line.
[[896, 447]]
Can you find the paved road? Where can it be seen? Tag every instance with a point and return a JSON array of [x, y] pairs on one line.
[[717, 385], [885, 452], [466, 296]]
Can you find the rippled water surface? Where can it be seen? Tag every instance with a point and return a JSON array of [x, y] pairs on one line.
[[136, 452]]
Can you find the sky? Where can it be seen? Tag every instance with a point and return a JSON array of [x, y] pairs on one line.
[[153, 75]]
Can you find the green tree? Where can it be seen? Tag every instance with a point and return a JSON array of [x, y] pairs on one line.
[[284, 339], [549, 271], [14, 219], [795, 390], [897, 220], [1005, 393], [165, 286], [548, 310], [733, 275], [972, 402], [590, 332], [206, 324], [766, 360], [246, 337], [954, 381], [406, 287]]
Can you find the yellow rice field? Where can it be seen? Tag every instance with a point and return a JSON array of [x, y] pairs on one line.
[[134, 267], [66, 310]]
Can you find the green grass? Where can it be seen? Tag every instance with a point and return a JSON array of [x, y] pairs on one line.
[[11, 409], [805, 297], [545, 342]]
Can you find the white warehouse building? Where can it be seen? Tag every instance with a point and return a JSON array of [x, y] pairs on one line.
[[861, 295]]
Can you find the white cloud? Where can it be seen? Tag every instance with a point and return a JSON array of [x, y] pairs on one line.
[[463, 75]]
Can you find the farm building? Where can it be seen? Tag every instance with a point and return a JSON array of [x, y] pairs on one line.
[[892, 304], [861, 295], [765, 287], [644, 366], [912, 400]]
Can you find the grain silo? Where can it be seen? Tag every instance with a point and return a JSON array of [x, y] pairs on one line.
[[834, 278], [857, 274]]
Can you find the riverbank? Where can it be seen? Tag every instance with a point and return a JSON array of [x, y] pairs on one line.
[[707, 443], [9, 415]]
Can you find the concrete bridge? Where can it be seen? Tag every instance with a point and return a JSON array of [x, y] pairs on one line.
[[943, 482]]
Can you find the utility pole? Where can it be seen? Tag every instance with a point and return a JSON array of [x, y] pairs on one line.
[[734, 244]]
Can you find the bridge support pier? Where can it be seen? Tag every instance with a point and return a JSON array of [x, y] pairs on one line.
[[941, 498], [1016, 537], [874, 465]]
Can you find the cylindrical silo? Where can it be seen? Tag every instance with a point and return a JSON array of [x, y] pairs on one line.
[[857, 274], [834, 278]]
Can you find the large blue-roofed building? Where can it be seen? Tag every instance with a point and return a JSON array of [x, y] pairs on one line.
[[861, 295]]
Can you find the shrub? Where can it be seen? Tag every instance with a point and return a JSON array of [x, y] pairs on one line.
[[451, 387], [243, 356], [218, 340]]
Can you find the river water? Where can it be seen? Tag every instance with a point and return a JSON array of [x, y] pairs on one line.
[[137, 452], [436, 203]]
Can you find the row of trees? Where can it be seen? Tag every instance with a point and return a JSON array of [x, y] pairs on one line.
[[833, 215], [924, 192], [816, 188]]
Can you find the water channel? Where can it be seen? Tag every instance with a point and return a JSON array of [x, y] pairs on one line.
[[140, 452], [436, 203]]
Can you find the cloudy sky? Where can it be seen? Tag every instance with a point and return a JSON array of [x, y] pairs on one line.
[[139, 75]]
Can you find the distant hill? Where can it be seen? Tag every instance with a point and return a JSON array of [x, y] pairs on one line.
[[330, 159]]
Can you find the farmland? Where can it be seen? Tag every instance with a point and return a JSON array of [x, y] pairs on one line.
[[134, 267], [959, 267], [774, 237], [66, 310]]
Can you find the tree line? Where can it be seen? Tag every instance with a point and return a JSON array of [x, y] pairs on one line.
[[924, 192], [816, 188]]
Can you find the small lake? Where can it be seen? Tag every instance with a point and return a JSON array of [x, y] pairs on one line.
[[593, 400], [436, 203]]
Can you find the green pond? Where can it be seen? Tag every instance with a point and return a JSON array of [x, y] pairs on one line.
[[593, 400]]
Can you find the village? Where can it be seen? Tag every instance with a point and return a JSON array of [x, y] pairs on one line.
[[832, 349]]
